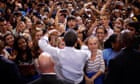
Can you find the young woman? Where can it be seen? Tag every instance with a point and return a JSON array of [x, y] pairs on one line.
[[25, 61], [101, 34], [112, 47], [9, 40], [95, 66]]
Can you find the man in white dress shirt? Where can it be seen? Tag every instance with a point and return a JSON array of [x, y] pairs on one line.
[[69, 61]]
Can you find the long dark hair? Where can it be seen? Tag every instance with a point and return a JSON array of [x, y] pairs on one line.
[[111, 39], [20, 52]]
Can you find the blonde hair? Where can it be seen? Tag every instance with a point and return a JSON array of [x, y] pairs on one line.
[[91, 37]]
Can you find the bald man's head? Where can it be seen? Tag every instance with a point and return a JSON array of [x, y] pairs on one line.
[[46, 65]]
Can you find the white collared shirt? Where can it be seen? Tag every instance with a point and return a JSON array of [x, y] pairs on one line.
[[69, 61]]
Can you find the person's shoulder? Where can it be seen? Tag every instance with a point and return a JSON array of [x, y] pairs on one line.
[[6, 60], [107, 49], [37, 81], [99, 50], [129, 56], [58, 81], [137, 53], [46, 81], [84, 51], [119, 58], [84, 47]]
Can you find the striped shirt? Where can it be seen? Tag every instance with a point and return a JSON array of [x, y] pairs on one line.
[[97, 64]]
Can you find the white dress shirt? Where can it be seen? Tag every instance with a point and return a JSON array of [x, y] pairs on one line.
[[69, 61]]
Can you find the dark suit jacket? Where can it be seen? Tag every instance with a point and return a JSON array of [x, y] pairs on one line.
[[125, 68], [47, 79], [9, 72]]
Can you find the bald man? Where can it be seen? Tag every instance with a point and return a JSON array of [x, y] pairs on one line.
[[46, 68]]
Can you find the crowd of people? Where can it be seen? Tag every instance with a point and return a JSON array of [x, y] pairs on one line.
[[69, 41]]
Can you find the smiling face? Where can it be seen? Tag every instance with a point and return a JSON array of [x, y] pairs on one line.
[[22, 44], [101, 33], [9, 39]]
